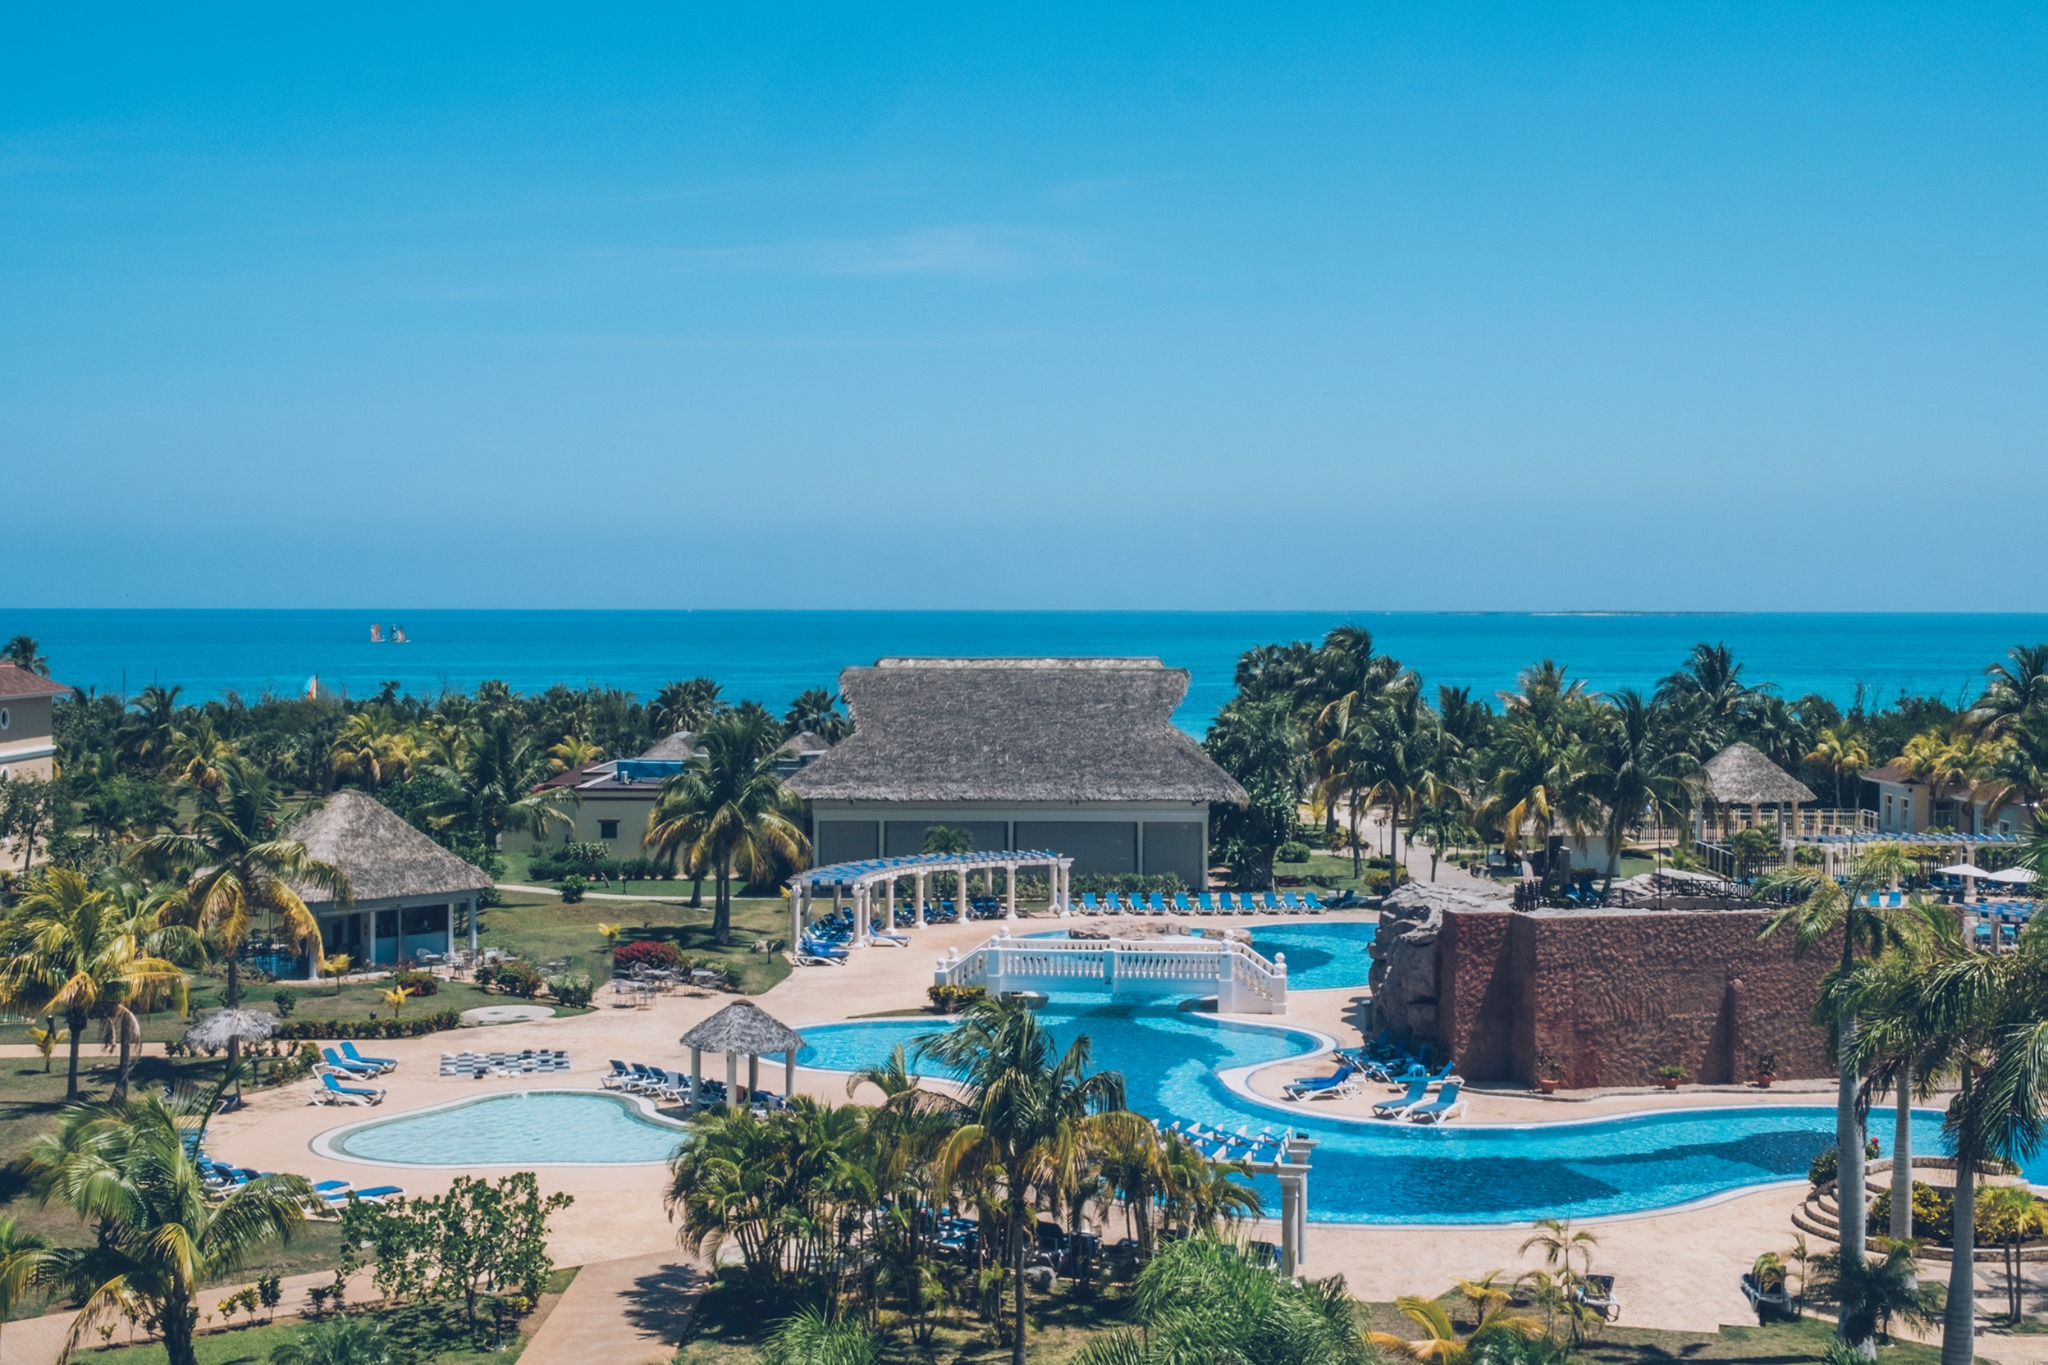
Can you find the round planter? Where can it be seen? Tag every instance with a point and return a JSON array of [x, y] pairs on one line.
[[1669, 1082], [1546, 1085]]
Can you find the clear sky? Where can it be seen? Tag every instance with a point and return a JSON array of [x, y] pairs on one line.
[[1356, 306]]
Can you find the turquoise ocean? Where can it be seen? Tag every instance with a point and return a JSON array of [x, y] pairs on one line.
[[770, 655]]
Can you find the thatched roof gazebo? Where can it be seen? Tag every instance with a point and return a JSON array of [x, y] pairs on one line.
[[1741, 778], [404, 887], [743, 1028]]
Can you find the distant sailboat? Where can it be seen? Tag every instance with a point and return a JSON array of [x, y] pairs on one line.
[[376, 633], [398, 633]]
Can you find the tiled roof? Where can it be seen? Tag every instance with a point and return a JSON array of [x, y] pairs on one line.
[[16, 681]]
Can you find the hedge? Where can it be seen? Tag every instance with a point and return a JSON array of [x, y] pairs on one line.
[[647, 953], [404, 1026]]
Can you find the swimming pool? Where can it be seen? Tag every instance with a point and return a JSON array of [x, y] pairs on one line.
[[1369, 1172], [527, 1128], [1320, 957]]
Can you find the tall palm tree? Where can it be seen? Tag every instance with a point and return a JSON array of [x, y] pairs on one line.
[[1825, 909], [497, 787], [1947, 761], [1840, 750], [1026, 1111], [70, 952], [1633, 773], [201, 754], [1711, 677], [372, 748], [152, 729], [684, 705], [23, 652], [817, 712], [734, 809], [125, 1171], [1205, 1300], [234, 865], [16, 1242], [2014, 692]]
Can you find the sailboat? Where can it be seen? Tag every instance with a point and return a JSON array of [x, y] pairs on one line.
[[376, 633], [398, 633]]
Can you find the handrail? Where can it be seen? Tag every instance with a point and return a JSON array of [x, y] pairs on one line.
[[1228, 966]]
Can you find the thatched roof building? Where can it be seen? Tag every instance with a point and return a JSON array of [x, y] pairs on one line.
[[1016, 730], [406, 891], [1078, 756], [385, 858], [1741, 776]]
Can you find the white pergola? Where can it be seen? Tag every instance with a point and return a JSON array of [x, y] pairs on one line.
[[860, 880]]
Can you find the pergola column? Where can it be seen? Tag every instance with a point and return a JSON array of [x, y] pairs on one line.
[[920, 899], [1010, 901], [472, 923], [889, 905], [753, 1073], [732, 1078], [696, 1075], [788, 1074], [796, 915]]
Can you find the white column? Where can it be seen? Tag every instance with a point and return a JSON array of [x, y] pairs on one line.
[[920, 899], [472, 923], [889, 905], [1290, 1252], [796, 916], [1010, 904]]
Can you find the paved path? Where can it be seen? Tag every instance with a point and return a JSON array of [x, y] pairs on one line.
[[597, 895], [625, 1312]]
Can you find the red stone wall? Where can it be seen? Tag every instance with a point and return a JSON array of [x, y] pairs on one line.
[[1614, 996]]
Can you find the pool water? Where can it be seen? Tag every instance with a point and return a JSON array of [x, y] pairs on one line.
[[529, 1128], [1320, 957], [1374, 1172]]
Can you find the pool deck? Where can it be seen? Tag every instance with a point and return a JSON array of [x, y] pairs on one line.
[[1675, 1270]]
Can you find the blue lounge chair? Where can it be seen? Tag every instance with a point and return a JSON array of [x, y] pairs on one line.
[[1422, 1073], [1315, 906], [1089, 905], [1227, 902], [1112, 902], [621, 1073], [1180, 903], [344, 1065], [1418, 1090], [1272, 902], [1156, 904], [379, 1193], [348, 1050], [333, 1091], [1316, 1087], [1294, 904], [1207, 902], [1445, 1107]]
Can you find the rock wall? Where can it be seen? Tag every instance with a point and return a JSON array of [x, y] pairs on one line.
[[1404, 954], [1611, 996]]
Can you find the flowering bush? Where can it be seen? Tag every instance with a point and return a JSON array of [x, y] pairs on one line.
[[647, 953]]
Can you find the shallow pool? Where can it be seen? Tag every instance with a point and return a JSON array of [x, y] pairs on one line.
[[1370, 1172], [528, 1128]]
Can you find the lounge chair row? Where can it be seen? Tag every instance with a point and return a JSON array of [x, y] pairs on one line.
[[1206, 903], [659, 1083]]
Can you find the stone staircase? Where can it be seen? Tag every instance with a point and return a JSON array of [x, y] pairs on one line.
[[1820, 1215]]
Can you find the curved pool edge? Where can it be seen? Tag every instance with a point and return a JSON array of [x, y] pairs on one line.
[[324, 1143]]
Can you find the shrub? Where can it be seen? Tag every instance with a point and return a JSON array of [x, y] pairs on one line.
[[1822, 1171], [587, 856], [1934, 1213], [416, 983], [647, 953], [573, 887], [520, 978], [1293, 853], [286, 1002], [953, 999], [573, 990]]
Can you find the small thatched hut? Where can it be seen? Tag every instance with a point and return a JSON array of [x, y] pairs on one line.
[[406, 889], [1745, 789], [1077, 756], [743, 1028]]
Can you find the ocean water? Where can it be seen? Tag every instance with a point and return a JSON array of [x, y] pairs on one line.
[[771, 656]]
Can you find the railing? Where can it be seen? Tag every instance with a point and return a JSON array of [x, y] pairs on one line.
[[1809, 824], [1243, 981]]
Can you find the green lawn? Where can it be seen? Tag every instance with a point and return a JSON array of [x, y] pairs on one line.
[[424, 1334], [542, 928]]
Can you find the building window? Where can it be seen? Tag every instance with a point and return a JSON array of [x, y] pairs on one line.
[[4, 718], [426, 919], [387, 924], [607, 829]]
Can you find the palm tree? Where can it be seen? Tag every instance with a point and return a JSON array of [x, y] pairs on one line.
[[808, 1337], [352, 1339], [1205, 1300], [15, 1265], [946, 839], [684, 705], [817, 712], [23, 652], [1827, 908], [371, 748], [1842, 752], [152, 729], [2016, 692], [732, 808], [1026, 1112], [125, 1171], [1633, 773], [497, 788], [1441, 1342], [1949, 761], [234, 865], [71, 952], [202, 754], [573, 753], [1712, 678]]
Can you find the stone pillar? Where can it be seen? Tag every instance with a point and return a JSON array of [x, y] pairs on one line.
[[796, 916], [732, 1078], [788, 1074], [472, 923], [1010, 901], [889, 905], [753, 1074], [696, 1074], [1290, 1251], [922, 879]]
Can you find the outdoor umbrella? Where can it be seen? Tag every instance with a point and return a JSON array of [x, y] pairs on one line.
[[2012, 876], [1962, 870], [226, 1028]]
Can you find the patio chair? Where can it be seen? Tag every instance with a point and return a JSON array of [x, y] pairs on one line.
[[1342, 1082], [360, 1070], [1207, 903], [348, 1050], [1445, 1107], [1156, 903], [1182, 904], [1088, 904], [1294, 904], [377, 1194], [1418, 1091], [620, 1074], [332, 1091], [1226, 902], [1315, 907]]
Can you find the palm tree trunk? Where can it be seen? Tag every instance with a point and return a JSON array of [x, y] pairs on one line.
[[1851, 1198], [177, 1323], [1017, 1272], [1959, 1317], [1357, 853], [721, 910], [75, 1021], [234, 998], [697, 892], [1902, 1162], [127, 1061]]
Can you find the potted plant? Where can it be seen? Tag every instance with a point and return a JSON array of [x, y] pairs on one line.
[[1670, 1076], [1766, 1069], [1549, 1075]]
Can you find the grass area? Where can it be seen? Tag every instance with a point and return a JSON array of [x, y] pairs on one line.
[[424, 1334], [518, 868], [542, 928], [30, 1103], [728, 1330]]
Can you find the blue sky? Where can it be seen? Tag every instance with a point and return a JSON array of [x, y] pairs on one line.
[[1346, 307]]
